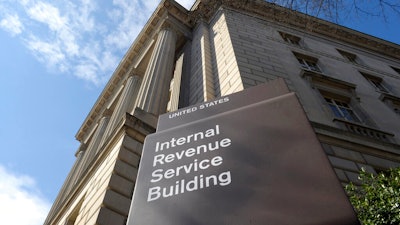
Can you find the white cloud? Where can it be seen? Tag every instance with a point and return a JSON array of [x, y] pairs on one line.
[[20, 201], [49, 53], [83, 15], [12, 24], [131, 16], [87, 71], [47, 14], [79, 37]]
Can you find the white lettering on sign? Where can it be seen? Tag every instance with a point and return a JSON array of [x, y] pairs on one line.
[[200, 163], [161, 159], [190, 138], [186, 169], [195, 108], [182, 186]]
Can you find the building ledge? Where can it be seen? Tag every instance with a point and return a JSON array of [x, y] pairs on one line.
[[388, 96], [365, 131], [205, 10], [349, 139], [317, 77]]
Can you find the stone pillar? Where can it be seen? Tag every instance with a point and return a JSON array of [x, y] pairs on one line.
[[94, 145], [202, 77], [73, 174], [206, 63], [153, 94], [125, 104], [173, 103]]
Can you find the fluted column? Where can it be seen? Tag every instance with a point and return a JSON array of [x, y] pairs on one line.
[[153, 94], [73, 174], [125, 104], [68, 183], [202, 77], [94, 145]]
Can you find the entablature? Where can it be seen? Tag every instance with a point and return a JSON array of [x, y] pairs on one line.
[[168, 14]]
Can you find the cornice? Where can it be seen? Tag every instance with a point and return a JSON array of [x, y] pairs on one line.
[[204, 10], [167, 8], [336, 136]]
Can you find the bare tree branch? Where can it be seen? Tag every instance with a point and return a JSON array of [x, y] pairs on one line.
[[340, 10]]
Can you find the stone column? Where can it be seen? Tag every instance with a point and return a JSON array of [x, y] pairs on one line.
[[202, 76], [73, 174], [175, 87], [125, 104], [153, 94], [68, 183], [94, 145]]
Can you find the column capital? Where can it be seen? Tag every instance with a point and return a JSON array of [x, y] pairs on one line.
[[106, 113], [170, 22], [168, 27]]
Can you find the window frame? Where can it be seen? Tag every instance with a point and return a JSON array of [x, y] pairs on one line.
[[350, 57], [377, 82], [289, 38], [342, 109], [339, 91], [396, 69], [308, 62], [392, 101], [396, 108]]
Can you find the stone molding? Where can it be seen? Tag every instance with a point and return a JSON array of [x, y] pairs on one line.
[[337, 136], [153, 92], [165, 8], [204, 10]]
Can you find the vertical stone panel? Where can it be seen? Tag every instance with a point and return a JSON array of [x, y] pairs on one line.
[[176, 85], [184, 92], [202, 79], [226, 72]]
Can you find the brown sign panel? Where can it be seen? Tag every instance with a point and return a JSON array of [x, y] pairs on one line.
[[248, 96], [257, 164]]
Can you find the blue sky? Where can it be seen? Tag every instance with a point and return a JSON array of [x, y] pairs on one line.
[[55, 59]]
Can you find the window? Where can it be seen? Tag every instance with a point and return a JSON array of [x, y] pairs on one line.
[[342, 110], [349, 56], [376, 82], [337, 95], [396, 108], [291, 39], [396, 69], [395, 105], [308, 62], [339, 100], [392, 101]]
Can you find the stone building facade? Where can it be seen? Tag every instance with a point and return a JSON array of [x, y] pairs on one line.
[[347, 82]]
